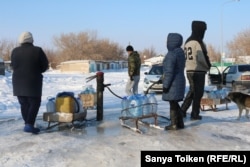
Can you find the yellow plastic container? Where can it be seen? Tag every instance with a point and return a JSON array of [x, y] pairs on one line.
[[65, 104]]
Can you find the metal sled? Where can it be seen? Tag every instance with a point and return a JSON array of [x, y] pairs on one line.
[[212, 103], [133, 122], [142, 119], [59, 117]]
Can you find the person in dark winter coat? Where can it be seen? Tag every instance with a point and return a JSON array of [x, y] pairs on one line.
[[174, 81], [28, 63], [134, 66], [197, 65]]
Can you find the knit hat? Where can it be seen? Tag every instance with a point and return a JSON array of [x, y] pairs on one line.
[[25, 37], [129, 48], [199, 25]]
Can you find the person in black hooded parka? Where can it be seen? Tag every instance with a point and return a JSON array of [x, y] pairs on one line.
[[28, 63], [197, 65]]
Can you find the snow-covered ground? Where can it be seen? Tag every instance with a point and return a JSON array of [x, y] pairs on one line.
[[106, 143]]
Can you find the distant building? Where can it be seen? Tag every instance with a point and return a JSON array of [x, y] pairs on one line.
[[154, 60], [245, 59], [88, 66], [85, 66]]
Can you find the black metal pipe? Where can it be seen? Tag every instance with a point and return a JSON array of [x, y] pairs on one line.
[[99, 94]]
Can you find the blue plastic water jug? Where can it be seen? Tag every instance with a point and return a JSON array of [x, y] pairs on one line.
[[125, 106], [135, 108], [152, 99], [145, 105]]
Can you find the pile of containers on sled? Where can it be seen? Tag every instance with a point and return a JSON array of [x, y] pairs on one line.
[[216, 94], [139, 105]]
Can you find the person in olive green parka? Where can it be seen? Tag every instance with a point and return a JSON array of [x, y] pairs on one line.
[[134, 65]]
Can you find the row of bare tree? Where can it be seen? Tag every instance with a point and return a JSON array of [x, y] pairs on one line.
[[78, 46], [86, 46]]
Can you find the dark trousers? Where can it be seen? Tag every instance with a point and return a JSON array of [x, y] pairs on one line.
[[175, 116], [174, 105], [195, 93], [29, 108]]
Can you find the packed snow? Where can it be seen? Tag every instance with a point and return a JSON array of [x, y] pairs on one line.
[[106, 143]]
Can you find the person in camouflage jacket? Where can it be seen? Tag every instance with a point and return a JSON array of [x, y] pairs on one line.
[[134, 65]]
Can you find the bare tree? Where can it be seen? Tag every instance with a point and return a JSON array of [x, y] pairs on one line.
[[72, 46], [239, 46], [85, 45], [214, 54], [148, 53], [52, 56], [6, 47]]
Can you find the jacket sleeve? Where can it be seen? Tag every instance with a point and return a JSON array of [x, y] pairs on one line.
[[168, 70], [44, 65], [131, 66], [202, 59]]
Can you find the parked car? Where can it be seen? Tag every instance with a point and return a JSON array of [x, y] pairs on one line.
[[155, 73], [232, 76]]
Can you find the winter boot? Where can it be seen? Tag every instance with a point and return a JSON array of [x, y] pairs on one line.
[[31, 129], [173, 125], [183, 112], [195, 114], [185, 105], [197, 117], [180, 123]]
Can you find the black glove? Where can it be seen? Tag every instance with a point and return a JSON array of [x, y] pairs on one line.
[[131, 78], [158, 82], [165, 90]]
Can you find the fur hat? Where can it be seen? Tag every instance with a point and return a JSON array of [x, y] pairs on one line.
[[199, 25], [129, 48], [26, 37]]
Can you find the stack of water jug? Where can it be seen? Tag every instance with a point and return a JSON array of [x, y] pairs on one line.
[[216, 94], [51, 103], [88, 90], [139, 105]]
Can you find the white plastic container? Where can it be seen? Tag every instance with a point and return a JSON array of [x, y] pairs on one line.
[[51, 105]]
